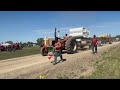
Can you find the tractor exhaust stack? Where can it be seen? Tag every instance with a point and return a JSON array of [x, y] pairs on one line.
[[55, 34], [58, 34]]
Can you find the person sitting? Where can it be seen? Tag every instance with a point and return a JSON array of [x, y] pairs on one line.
[[66, 37]]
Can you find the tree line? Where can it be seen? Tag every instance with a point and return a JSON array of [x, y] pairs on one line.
[[40, 40]]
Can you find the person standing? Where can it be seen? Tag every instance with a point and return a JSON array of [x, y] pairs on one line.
[[58, 47], [94, 43]]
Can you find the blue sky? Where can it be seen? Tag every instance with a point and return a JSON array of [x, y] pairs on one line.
[[30, 25]]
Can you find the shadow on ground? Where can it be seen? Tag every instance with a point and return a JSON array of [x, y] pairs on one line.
[[81, 49]]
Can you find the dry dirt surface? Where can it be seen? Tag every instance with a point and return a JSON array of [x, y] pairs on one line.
[[31, 67]]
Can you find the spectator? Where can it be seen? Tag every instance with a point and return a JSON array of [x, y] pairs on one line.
[[94, 43]]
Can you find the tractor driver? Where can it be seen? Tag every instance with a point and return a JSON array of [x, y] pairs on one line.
[[66, 37]]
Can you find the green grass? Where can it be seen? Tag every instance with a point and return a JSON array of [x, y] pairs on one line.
[[20, 53], [110, 66]]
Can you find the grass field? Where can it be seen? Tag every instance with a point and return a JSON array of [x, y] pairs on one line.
[[19, 53], [108, 67]]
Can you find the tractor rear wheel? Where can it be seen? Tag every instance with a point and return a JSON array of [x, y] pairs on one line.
[[2, 48], [71, 45], [44, 51]]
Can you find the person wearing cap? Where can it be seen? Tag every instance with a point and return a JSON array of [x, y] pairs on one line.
[[94, 43]]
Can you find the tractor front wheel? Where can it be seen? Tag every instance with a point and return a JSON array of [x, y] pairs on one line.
[[44, 51]]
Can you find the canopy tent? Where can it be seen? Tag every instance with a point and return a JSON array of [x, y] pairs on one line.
[[6, 44]]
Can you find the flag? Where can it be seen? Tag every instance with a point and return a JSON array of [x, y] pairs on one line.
[[49, 57]]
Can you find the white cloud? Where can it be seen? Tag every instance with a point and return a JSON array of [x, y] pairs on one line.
[[106, 25], [64, 28], [100, 28], [43, 31], [105, 28], [50, 31]]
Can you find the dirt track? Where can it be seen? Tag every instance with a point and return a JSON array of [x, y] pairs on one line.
[[30, 67]]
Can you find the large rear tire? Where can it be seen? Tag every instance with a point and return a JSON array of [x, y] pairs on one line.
[[72, 45], [44, 51]]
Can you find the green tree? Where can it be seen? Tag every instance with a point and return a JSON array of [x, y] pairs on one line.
[[118, 36], [30, 44], [21, 43], [39, 40], [24, 44], [10, 42]]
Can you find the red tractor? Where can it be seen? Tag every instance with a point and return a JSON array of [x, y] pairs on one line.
[[16, 46], [109, 39], [10, 47], [2, 48], [5, 47], [105, 39], [69, 43]]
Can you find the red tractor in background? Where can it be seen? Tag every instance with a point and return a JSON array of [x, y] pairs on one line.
[[10, 47], [104, 38]]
